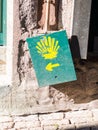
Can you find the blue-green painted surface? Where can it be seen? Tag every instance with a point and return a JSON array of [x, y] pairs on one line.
[[3, 21], [56, 67], [0, 15]]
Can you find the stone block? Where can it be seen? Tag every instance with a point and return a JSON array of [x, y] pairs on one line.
[[6, 125], [33, 124], [26, 118], [79, 116], [23, 129], [5, 119], [51, 127], [67, 127], [95, 114], [84, 126], [54, 122], [19, 125], [27, 124], [82, 113], [80, 120], [37, 128], [52, 116], [11, 129], [32, 118]]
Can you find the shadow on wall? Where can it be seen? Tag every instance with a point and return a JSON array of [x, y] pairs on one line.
[[74, 46], [85, 88], [84, 127]]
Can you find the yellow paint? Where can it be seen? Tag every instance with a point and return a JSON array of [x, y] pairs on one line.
[[51, 66], [48, 47]]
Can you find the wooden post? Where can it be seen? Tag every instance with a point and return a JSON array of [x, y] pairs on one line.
[[47, 16]]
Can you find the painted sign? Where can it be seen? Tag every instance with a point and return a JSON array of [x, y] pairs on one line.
[[51, 57]]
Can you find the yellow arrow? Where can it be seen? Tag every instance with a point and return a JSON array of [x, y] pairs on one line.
[[50, 66]]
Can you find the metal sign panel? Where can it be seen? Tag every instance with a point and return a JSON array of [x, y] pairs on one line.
[[51, 58]]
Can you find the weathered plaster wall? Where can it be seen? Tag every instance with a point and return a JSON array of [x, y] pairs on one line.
[[25, 97], [81, 24], [66, 10]]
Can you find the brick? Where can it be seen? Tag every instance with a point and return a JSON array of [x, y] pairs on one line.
[[55, 116]]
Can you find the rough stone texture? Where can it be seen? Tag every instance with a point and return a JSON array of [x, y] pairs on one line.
[[28, 14], [81, 24], [25, 97], [34, 122]]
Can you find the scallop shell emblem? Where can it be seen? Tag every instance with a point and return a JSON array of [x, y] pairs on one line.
[[48, 47]]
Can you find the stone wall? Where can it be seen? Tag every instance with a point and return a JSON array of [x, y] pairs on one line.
[[76, 120], [25, 97], [25, 88], [25, 106]]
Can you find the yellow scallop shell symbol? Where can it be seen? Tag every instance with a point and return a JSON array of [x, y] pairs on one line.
[[48, 47]]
